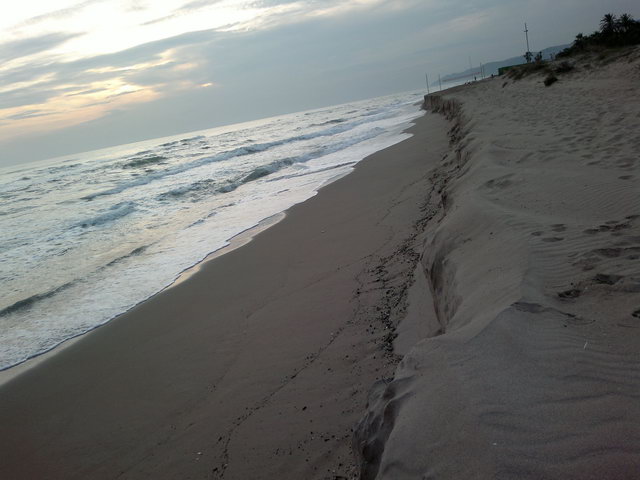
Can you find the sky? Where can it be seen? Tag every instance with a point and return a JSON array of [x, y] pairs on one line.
[[77, 75]]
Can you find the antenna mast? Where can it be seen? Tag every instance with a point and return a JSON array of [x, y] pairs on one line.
[[526, 32]]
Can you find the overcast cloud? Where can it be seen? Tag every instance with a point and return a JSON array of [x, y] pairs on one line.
[[97, 73]]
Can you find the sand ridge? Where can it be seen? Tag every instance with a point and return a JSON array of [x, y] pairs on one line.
[[535, 272]]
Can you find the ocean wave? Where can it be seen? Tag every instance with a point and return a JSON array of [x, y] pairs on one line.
[[10, 193], [177, 169], [210, 215], [236, 152], [199, 186], [182, 141], [16, 210], [60, 168], [144, 161], [132, 253], [329, 122], [33, 299], [265, 170], [208, 186], [304, 173], [29, 302], [114, 213]]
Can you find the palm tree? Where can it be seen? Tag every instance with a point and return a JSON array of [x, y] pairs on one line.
[[579, 42], [608, 24], [625, 22]]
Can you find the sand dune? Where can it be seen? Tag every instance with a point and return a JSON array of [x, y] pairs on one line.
[[533, 368]]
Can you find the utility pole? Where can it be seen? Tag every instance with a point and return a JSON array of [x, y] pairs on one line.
[[526, 32], [427, 75], [440, 82]]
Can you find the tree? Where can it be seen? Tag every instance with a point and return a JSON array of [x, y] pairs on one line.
[[608, 24], [625, 23], [613, 32]]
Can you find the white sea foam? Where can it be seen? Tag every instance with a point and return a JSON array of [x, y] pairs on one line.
[[86, 237]]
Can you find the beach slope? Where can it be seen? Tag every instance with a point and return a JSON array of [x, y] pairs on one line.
[[534, 267]]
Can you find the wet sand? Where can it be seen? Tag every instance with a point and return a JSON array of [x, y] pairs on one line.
[[256, 366]]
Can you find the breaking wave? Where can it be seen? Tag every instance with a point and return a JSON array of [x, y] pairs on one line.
[[114, 213], [144, 161]]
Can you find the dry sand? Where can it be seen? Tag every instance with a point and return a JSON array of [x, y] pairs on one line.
[[532, 368], [257, 366]]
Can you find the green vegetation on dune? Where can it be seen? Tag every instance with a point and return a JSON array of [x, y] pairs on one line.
[[614, 31], [608, 43]]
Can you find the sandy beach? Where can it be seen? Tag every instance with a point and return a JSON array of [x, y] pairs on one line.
[[465, 304], [533, 369], [258, 365]]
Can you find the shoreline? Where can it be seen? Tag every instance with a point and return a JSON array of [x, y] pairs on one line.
[[235, 242], [268, 349], [129, 246]]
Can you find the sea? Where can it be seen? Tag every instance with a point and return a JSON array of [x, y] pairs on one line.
[[85, 237]]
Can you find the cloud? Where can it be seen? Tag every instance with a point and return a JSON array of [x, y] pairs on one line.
[[279, 56], [173, 72], [24, 97], [29, 114], [141, 53], [85, 92], [189, 8], [71, 89], [232, 60], [33, 45], [88, 70], [58, 14], [121, 94], [198, 4]]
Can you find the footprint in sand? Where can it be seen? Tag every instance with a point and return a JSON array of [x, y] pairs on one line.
[[573, 293], [613, 226], [605, 279]]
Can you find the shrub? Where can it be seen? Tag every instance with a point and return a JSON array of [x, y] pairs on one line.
[[527, 69], [564, 67], [550, 80]]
